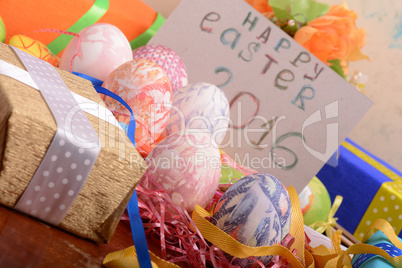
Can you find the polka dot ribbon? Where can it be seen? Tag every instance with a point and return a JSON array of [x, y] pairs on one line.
[[389, 248], [71, 154]]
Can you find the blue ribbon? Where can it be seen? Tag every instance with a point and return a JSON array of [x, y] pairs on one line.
[[137, 231], [98, 87], [137, 228], [388, 247]]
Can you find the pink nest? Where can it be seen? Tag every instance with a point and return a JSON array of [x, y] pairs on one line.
[[168, 225]]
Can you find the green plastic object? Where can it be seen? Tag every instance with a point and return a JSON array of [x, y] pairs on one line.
[[2, 31], [320, 205], [229, 175]]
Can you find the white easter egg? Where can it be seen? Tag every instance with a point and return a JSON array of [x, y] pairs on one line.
[[187, 166], [200, 106]]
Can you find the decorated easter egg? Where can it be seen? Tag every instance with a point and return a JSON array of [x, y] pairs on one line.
[[34, 47], [320, 204], [168, 60], [186, 166], [200, 106], [256, 211], [99, 49], [2, 31], [145, 87]]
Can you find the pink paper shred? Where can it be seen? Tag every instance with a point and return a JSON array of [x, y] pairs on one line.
[[168, 225]]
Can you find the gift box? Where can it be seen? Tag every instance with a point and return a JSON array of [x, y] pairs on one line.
[[134, 18], [371, 189], [27, 129]]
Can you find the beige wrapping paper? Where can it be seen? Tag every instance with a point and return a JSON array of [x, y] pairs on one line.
[[26, 130]]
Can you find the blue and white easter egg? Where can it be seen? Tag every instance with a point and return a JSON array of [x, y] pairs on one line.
[[200, 106], [256, 211]]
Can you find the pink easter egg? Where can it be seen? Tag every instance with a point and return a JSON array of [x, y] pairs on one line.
[[187, 166], [168, 60], [99, 49], [145, 87]]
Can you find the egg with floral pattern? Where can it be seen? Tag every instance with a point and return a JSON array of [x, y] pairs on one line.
[[168, 60], [97, 51], [35, 48], [145, 87]]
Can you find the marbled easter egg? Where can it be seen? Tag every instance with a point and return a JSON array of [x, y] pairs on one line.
[[168, 60], [2, 31], [200, 106], [256, 211], [187, 166], [145, 87], [99, 49], [35, 48]]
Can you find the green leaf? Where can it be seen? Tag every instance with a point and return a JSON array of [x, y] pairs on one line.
[[282, 9], [309, 9], [282, 13], [302, 11], [336, 66]]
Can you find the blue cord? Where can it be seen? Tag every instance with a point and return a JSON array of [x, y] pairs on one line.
[[137, 228]]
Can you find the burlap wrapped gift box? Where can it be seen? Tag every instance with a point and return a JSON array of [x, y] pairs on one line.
[[27, 128]]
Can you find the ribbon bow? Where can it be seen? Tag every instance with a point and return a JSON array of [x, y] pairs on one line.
[[321, 226]]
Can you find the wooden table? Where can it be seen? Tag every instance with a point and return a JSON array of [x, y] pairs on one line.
[[27, 242]]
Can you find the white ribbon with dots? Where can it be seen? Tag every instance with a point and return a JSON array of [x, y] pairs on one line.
[[71, 155], [85, 104]]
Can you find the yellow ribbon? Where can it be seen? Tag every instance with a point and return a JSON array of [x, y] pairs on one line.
[[233, 247], [127, 258], [344, 259], [370, 160], [321, 226], [319, 257], [297, 224], [322, 255]]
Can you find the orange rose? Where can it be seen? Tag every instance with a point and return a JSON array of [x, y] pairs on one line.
[[334, 36], [263, 7]]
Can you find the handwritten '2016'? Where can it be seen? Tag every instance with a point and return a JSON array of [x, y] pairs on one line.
[[230, 37]]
